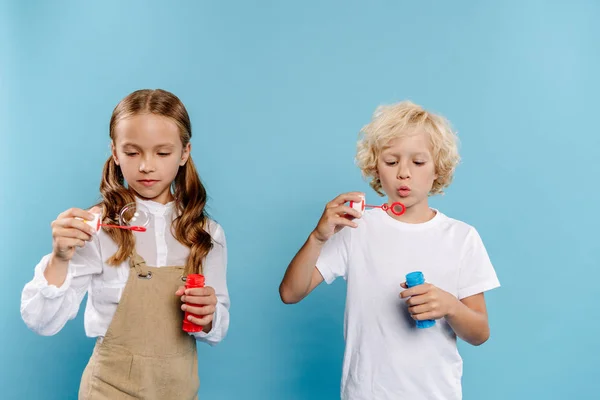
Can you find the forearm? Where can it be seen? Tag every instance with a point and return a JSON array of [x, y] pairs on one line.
[[469, 325], [45, 308], [56, 271], [296, 283]]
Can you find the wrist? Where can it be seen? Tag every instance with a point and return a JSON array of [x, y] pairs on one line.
[[208, 327], [55, 262], [55, 272], [314, 239], [454, 307]]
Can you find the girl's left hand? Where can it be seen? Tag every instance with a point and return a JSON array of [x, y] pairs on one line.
[[427, 301], [202, 302]]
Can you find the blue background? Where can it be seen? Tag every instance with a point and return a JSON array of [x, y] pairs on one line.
[[277, 92]]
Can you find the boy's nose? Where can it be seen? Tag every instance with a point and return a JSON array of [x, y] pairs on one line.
[[403, 172]]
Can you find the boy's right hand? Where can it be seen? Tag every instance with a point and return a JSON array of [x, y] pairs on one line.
[[69, 232], [337, 215]]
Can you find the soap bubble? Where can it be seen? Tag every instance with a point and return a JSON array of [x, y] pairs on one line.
[[134, 214]]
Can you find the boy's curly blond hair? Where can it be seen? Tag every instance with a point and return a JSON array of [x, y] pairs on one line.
[[396, 120]]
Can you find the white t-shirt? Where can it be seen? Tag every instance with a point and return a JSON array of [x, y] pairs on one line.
[[46, 308], [386, 356]]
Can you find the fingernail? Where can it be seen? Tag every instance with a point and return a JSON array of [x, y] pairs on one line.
[[183, 307], [189, 317]]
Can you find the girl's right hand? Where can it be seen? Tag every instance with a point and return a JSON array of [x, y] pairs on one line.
[[337, 215], [68, 232]]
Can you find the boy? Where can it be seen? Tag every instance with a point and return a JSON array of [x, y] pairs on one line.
[[408, 154]]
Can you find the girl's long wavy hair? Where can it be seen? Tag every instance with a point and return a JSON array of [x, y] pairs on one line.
[[191, 223]]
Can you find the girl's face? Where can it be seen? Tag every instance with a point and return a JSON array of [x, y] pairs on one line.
[[149, 150]]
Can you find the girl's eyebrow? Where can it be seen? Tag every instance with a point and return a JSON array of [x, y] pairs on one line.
[[162, 145], [165, 145]]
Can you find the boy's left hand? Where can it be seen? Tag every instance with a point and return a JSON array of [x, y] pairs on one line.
[[202, 303], [427, 301]]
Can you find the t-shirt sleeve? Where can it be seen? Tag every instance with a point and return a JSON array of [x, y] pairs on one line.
[[477, 274], [333, 260]]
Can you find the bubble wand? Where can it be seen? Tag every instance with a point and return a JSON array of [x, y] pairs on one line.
[[396, 208], [128, 215]]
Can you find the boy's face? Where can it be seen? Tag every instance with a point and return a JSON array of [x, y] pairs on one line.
[[407, 171]]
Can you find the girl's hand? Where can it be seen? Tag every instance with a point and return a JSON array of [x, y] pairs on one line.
[[69, 232], [202, 302]]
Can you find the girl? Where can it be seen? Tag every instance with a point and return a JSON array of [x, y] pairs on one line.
[[135, 279]]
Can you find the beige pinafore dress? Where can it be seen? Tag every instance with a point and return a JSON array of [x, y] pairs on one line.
[[145, 354]]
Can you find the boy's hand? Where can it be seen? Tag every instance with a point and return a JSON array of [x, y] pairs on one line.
[[427, 301], [203, 303], [337, 215]]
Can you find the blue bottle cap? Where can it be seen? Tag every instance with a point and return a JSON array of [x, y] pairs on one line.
[[414, 279]]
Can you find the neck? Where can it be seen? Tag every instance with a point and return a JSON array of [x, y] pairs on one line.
[[415, 214], [162, 198]]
